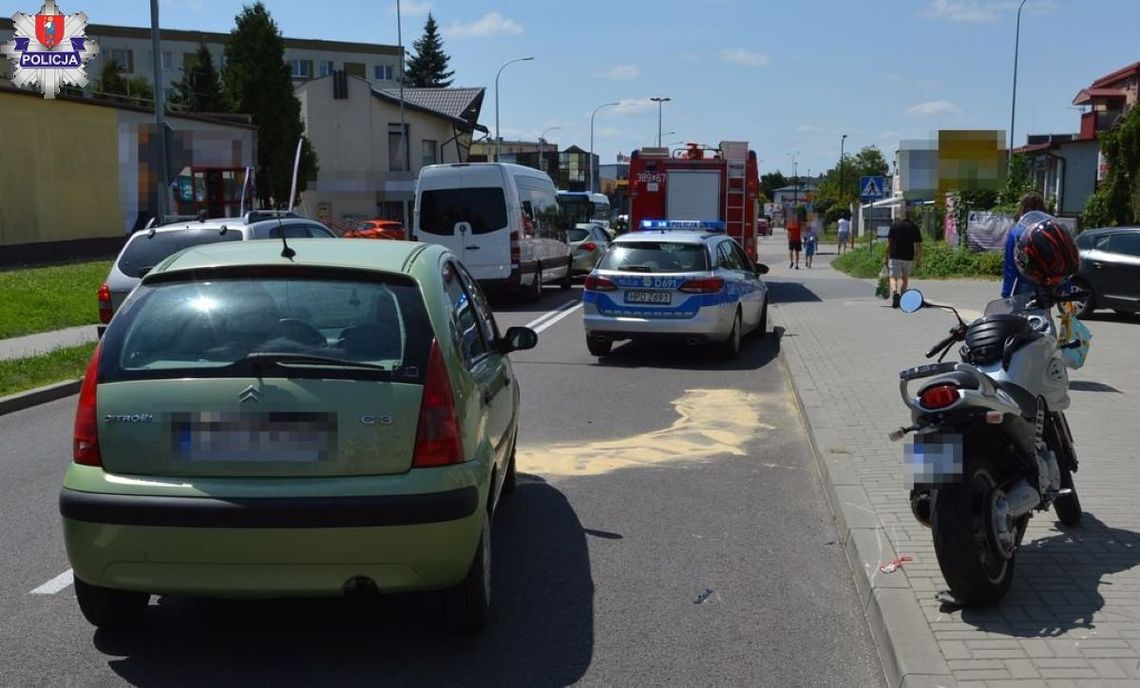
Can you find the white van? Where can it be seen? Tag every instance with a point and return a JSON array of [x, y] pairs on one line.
[[502, 220]]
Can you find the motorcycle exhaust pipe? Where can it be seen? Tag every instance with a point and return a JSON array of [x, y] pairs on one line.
[[1021, 498]]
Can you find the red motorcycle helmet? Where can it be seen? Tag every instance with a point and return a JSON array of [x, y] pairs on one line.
[[1046, 254]]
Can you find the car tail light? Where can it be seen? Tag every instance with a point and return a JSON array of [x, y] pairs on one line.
[[595, 283], [516, 250], [85, 445], [938, 397], [105, 303], [709, 285], [589, 246], [438, 440]]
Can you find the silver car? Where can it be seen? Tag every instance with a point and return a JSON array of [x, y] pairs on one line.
[[148, 247], [684, 281], [588, 241]]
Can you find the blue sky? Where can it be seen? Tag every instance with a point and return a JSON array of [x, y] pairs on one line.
[[785, 76]]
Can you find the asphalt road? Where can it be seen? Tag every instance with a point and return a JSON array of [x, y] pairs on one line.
[[669, 528]]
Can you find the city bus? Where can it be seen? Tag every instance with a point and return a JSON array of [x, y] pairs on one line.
[[583, 206]]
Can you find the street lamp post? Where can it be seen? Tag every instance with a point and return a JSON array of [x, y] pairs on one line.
[[159, 111], [590, 159], [542, 166], [498, 137], [659, 101], [841, 164], [1013, 100], [796, 176]]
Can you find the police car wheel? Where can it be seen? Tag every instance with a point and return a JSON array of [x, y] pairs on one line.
[[762, 328], [730, 348], [599, 347]]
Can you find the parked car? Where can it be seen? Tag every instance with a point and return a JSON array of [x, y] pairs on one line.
[[676, 281], [502, 220], [763, 227], [588, 241], [1110, 269], [147, 248], [256, 426], [378, 229]]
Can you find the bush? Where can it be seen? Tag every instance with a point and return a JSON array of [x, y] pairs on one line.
[[939, 261]]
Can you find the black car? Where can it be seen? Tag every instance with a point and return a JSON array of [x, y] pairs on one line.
[[1110, 269]]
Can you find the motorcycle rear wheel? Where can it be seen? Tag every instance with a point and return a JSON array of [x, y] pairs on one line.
[[976, 571]]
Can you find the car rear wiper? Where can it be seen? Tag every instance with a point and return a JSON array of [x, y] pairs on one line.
[[286, 358]]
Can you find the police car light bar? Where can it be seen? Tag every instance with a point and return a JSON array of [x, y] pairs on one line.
[[706, 225]]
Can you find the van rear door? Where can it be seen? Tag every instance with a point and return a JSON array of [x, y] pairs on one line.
[[466, 210]]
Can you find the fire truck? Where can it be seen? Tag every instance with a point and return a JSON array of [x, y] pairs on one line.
[[697, 183]]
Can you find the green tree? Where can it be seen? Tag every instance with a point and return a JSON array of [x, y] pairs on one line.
[[868, 162], [428, 67], [1117, 198], [113, 85], [199, 89], [770, 182], [257, 81]]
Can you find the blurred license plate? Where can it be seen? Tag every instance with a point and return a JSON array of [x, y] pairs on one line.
[[660, 297], [263, 438], [934, 458]]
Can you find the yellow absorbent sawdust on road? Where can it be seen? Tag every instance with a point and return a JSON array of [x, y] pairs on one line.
[[712, 422]]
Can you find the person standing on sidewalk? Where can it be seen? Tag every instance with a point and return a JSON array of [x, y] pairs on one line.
[[904, 252], [795, 239], [844, 232], [809, 244], [1012, 282]]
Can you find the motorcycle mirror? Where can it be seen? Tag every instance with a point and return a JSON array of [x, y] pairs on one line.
[[911, 301]]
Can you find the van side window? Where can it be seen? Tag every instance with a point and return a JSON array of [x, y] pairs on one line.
[[543, 200]]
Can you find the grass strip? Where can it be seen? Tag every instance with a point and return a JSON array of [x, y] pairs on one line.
[[22, 374], [50, 298], [939, 261]]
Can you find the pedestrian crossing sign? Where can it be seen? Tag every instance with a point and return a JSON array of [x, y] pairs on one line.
[[871, 188]]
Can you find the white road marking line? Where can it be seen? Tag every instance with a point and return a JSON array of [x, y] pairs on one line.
[[60, 582], [555, 319], [550, 314]]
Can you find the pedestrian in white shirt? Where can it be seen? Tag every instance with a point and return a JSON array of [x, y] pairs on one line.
[[844, 233]]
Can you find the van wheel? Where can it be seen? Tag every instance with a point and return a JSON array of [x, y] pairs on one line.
[[534, 293], [568, 280]]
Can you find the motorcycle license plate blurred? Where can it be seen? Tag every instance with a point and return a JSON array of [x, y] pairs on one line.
[[933, 458]]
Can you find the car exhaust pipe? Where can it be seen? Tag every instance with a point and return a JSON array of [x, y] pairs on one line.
[[1021, 498], [693, 341]]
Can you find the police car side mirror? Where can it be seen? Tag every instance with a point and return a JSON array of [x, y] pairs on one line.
[[761, 269]]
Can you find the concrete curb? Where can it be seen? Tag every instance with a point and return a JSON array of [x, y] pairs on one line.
[[40, 395], [909, 654]]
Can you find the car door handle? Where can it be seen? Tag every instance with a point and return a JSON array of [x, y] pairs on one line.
[[472, 248]]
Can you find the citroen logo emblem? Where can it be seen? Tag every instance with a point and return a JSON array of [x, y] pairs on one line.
[[250, 393]]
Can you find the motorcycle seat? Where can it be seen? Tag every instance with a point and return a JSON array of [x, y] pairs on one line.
[[1022, 396]]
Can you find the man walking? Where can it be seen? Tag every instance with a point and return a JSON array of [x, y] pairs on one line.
[[795, 239], [904, 252], [844, 233]]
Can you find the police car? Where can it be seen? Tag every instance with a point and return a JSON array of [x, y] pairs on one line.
[[685, 281]]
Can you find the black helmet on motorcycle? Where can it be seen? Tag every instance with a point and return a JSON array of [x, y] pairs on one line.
[[1046, 254]]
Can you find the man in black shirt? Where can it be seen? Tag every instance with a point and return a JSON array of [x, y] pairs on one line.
[[904, 252]]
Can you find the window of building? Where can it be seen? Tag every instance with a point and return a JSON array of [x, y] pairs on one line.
[[397, 159], [428, 155], [326, 67], [122, 57], [382, 72], [302, 69], [354, 69], [167, 59]]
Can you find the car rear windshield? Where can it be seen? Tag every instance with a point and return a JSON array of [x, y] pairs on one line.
[[577, 234], [484, 208], [655, 256], [144, 251], [207, 327]]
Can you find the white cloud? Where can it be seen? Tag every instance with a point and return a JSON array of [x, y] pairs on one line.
[[412, 8], [744, 57], [981, 11], [634, 106], [489, 25], [934, 107], [620, 72]]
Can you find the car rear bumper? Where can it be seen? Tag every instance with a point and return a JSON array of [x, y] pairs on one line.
[[274, 546], [711, 324]]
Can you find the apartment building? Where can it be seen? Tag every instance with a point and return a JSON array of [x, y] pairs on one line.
[[130, 47]]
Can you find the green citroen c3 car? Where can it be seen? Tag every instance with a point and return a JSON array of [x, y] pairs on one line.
[[255, 424]]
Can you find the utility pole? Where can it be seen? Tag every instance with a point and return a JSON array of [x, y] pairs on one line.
[[841, 164], [659, 101], [159, 112], [1013, 100], [403, 125]]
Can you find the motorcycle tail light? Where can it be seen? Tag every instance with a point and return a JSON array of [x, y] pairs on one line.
[[938, 397]]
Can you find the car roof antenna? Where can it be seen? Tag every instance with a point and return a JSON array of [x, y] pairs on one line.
[[286, 252]]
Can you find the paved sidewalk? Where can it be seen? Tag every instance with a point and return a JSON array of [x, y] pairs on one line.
[[42, 343], [1072, 616]]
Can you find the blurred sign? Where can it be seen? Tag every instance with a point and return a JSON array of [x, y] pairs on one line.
[[871, 188], [186, 188]]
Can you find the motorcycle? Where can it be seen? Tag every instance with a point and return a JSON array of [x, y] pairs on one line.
[[991, 443]]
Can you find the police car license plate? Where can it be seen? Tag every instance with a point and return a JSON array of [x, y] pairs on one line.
[[657, 297]]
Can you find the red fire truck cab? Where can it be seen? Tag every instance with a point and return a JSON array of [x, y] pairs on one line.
[[697, 183]]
